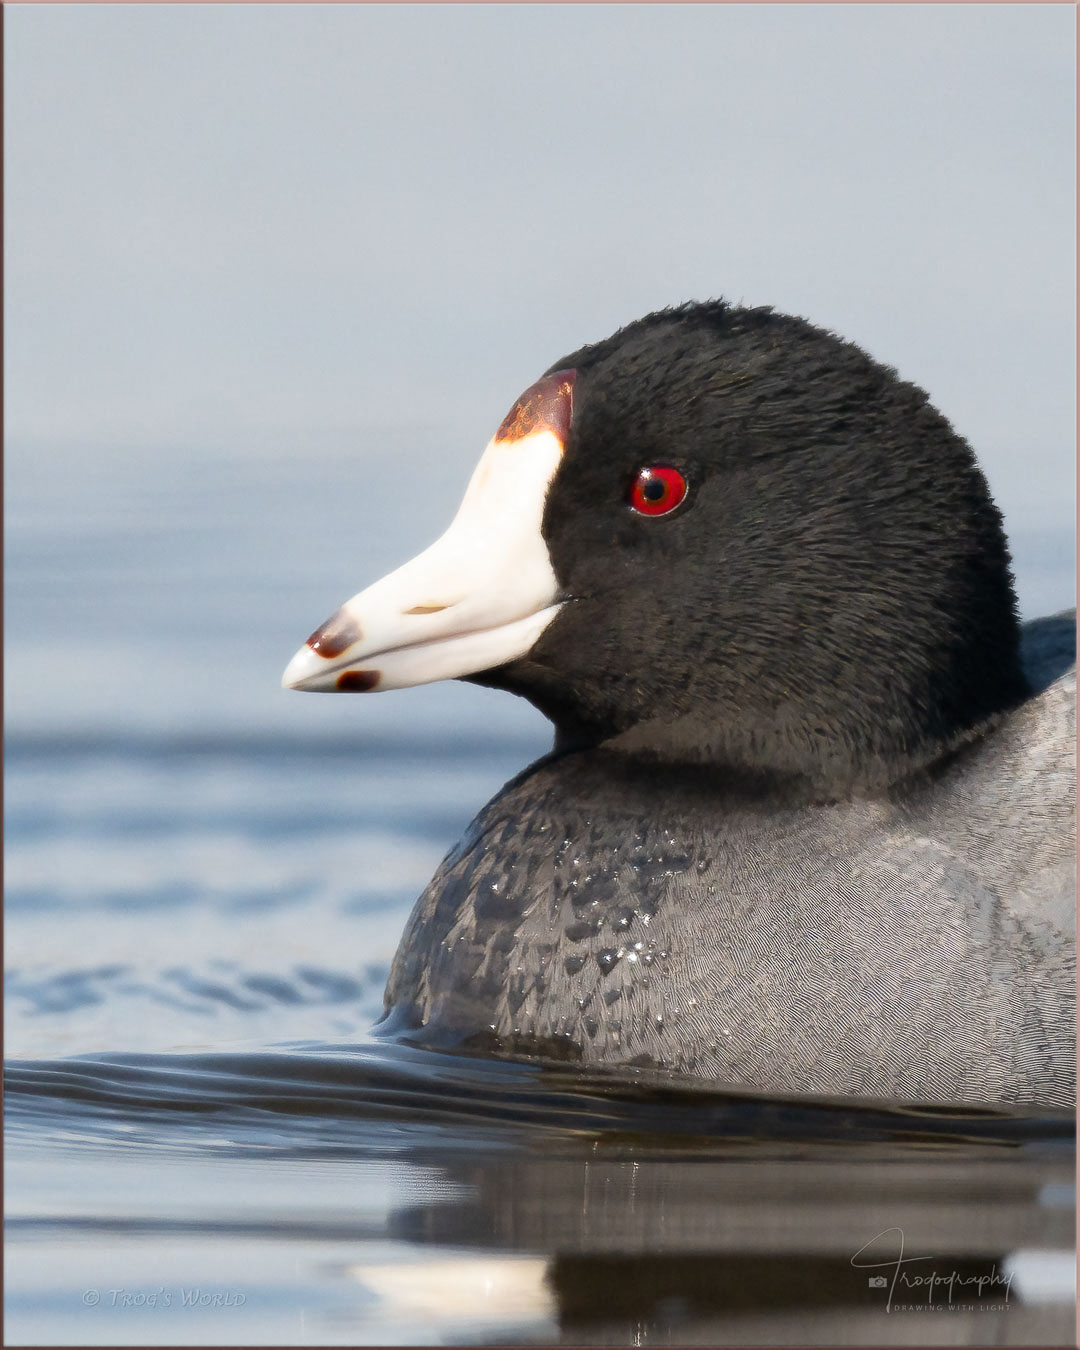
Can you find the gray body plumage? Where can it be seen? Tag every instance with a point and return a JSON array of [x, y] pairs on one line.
[[918, 943]]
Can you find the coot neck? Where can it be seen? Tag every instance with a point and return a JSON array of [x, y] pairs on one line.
[[655, 755]]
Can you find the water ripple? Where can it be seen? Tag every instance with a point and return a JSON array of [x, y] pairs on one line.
[[338, 1085]]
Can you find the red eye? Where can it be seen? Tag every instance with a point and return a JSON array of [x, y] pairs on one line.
[[657, 491]]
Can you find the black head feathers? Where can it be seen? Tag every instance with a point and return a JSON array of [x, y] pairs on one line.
[[832, 601]]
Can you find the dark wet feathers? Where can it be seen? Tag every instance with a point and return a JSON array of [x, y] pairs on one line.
[[915, 948]]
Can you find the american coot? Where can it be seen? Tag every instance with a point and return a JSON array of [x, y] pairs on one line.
[[808, 823]]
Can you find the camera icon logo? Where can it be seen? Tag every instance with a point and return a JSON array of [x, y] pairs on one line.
[[877, 1282]]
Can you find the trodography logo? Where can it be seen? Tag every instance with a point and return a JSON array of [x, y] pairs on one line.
[[928, 1282]]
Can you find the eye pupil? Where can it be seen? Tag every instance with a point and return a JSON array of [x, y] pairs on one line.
[[657, 490]]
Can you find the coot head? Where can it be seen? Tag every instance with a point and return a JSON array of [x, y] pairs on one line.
[[721, 536]]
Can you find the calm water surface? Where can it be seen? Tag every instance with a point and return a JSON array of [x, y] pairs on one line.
[[206, 879]]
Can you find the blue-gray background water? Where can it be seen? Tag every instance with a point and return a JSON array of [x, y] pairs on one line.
[[273, 276]]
